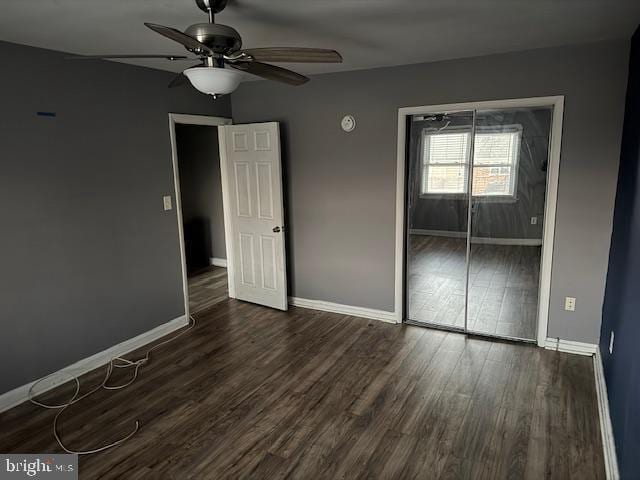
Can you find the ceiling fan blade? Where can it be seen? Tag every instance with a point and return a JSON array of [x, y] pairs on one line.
[[107, 57], [177, 36], [271, 72], [294, 55]]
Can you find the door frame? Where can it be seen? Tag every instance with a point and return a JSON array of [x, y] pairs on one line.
[[185, 119], [555, 142]]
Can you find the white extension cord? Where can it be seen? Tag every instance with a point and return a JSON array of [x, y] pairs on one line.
[[117, 362]]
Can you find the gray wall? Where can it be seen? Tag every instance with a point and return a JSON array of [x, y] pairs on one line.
[[341, 187], [89, 257], [201, 193], [493, 219]]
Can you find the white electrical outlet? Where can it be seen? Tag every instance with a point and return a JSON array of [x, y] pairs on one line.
[[570, 304], [611, 342], [534, 220], [166, 200]]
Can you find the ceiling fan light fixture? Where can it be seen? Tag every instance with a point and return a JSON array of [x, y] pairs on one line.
[[214, 80]]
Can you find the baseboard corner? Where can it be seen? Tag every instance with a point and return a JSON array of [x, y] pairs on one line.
[[218, 262], [569, 346], [606, 427]]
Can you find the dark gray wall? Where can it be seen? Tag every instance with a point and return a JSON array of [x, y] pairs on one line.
[[89, 257], [622, 302], [341, 187], [201, 194], [493, 219]]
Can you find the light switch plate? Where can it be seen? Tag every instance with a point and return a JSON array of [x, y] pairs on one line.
[[534, 220], [166, 200], [570, 304]]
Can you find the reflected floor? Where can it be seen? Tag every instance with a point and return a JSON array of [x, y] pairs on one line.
[[503, 285], [207, 288]]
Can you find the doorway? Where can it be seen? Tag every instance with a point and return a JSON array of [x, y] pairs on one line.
[[241, 164], [478, 211], [199, 205]]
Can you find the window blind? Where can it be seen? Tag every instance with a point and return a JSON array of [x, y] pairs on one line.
[[495, 159]]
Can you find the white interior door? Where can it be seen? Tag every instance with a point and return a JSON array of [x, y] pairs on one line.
[[254, 213]]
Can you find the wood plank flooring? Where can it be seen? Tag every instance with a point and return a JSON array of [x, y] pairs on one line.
[[207, 288], [258, 393], [503, 285]]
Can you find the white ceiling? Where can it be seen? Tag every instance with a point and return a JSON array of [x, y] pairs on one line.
[[368, 33]]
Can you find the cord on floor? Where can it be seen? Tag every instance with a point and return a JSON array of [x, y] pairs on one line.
[[116, 362]]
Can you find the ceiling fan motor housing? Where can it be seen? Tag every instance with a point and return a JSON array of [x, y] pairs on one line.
[[219, 38]]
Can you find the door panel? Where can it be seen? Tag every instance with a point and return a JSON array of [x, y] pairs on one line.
[[268, 252], [247, 260], [265, 191], [440, 149], [243, 189], [507, 219], [256, 219]]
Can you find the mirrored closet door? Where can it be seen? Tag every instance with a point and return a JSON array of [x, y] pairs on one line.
[[476, 201]]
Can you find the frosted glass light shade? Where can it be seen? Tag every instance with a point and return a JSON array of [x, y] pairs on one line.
[[212, 80]]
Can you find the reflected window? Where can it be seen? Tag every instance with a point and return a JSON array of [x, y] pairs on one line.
[[495, 161]]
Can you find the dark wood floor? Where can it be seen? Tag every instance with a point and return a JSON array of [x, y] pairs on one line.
[[258, 393], [207, 288], [503, 285]]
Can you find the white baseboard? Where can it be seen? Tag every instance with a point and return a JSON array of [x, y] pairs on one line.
[[21, 394], [606, 428], [528, 242], [218, 262], [382, 315], [569, 346]]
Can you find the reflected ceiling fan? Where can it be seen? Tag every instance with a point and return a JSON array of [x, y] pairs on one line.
[[222, 58]]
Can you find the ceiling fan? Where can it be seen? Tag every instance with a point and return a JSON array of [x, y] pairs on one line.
[[219, 48]]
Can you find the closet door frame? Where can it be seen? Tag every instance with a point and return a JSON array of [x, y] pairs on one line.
[[557, 103]]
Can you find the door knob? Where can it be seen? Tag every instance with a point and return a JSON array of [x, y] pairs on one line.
[[276, 230]]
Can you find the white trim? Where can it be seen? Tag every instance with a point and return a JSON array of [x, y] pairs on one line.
[[553, 174], [21, 394], [370, 313], [606, 428], [218, 262], [557, 102], [401, 160], [199, 119], [569, 346], [227, 214], [189, 120], [529, 242]]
